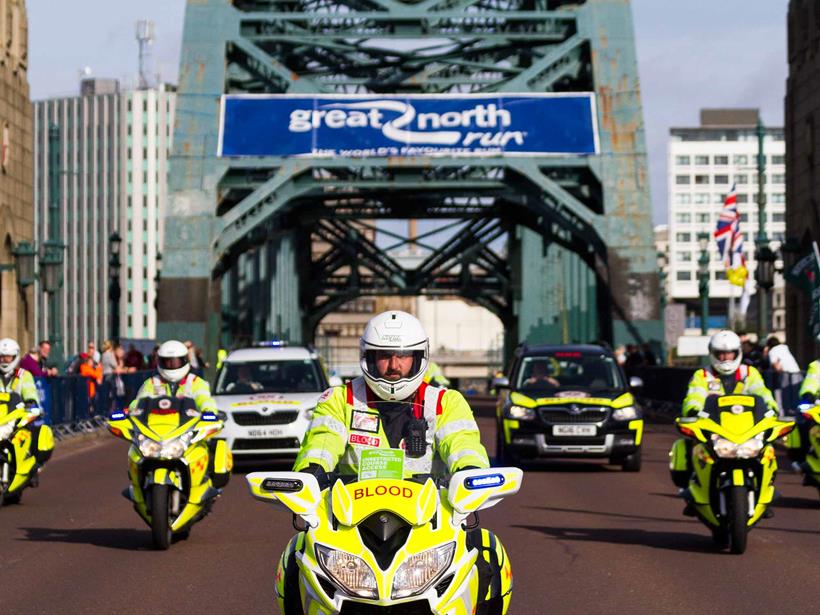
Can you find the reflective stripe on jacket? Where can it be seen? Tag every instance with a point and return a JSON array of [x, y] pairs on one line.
[[23, 384], [344, 424], [192, 386], [704, 382]]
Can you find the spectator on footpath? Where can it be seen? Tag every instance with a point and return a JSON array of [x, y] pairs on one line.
[[620, 355], [133, 359], [634, 360], [198, 365], [31, 363], [153, 358], [787, 376], [108, 360], [92, 371], [752, 354], [93, 352], [648, 356], [44, 348]]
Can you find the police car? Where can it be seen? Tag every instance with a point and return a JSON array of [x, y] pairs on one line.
[[269, 393], [568, 401]]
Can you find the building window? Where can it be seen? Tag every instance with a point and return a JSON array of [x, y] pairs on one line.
[[778, 217], [684, 257], [744, 217], [701, 160], [682, 180], [682, 160], [703, 218], [721, 179], [683, 237], [684, 276], [778, 178], [778, 159], [740, 159], [720, 274], [779, 198], [701, 198], [742, 198], [684, 218], [701, 179], [683, 199], [721, 160], [742, 179]]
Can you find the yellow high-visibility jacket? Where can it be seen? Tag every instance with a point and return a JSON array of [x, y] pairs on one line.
[[192, 386], [22, 383], [705, 382], [811, 383]]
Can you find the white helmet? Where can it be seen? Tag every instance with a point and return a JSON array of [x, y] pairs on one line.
[[8, 347], [169, 367], [394, 332], [725, 341]]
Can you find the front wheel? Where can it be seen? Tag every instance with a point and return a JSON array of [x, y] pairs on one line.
[[738, 519], [160, 517], [632, 463]]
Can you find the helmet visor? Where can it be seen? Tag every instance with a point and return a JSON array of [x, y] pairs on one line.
[[393, 364], [725, 355], [172, 362]]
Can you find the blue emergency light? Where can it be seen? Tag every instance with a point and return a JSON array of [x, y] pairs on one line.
[[484, 481]]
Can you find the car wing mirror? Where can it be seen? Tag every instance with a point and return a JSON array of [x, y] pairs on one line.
[[635, 383], [501, 382]]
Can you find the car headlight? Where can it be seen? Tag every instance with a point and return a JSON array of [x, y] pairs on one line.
[[420, 570], [625, 414], [723, 447], [308, 413], [520, 413], [6, 430], [349, 571], [750, 448]]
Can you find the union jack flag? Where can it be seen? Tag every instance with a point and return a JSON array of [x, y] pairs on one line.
[[730, 240]]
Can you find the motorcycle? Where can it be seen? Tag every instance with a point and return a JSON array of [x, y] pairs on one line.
[[734, 465], [20, 455], [176, 466], [810, 466], [391, 546]]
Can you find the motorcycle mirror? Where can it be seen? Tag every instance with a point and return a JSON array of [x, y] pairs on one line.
[[298, 491], [635, 383], [473, 490], [501, 382]]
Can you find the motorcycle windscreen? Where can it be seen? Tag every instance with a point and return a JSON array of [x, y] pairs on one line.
[[164, 415], [414, 503]]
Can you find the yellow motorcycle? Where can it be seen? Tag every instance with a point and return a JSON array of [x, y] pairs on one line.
[[177, 468], [734, 465], [391, 545], [20, 455], [810, 466]]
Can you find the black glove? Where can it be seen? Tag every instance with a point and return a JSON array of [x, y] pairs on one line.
[[318, 471]]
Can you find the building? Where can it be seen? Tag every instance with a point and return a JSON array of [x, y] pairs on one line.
[[803, 175], [703, 164], [113, 167], [16, 215]]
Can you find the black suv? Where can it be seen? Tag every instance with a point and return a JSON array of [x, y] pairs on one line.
[[567, 401]]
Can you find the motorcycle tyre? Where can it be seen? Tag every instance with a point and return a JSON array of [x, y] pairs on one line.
[[721, 537], [160, 522], [494, 606], [13, 499], [293, 598], [738, 517]]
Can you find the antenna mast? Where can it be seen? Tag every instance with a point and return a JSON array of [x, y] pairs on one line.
[[145, 38]]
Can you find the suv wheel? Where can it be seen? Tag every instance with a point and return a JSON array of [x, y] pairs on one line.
[[503, 457], [632, 463]]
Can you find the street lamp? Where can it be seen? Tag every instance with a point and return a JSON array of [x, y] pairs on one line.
[[114, 290], [764, 275], [662, 262], [703, 281], [25, 257]]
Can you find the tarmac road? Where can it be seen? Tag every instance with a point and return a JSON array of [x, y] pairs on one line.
[[583, 538]]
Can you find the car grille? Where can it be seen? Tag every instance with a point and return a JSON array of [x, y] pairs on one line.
[[255, 444], [558, 415], [254, 418]]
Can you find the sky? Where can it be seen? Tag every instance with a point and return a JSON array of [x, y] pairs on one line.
[[691, 54]]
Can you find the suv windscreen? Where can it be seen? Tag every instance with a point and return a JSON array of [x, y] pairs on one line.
[[568, 371], [298, 376]]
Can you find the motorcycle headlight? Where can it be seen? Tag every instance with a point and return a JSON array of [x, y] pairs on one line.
[[723, 447], [174, 449], [625, 414], [419, 571], [6, 429], [150, 448], [750, 448], [350, 572], [520, 413]]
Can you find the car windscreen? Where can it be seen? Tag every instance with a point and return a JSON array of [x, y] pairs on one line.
[[297, 376], [568, 371]]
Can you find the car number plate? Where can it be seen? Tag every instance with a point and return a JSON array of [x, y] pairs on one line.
[[265, 433], [574, 430]]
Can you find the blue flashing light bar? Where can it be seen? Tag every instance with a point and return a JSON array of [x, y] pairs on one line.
[[271, 344], [484, 481], [207, 416], [116, 416]]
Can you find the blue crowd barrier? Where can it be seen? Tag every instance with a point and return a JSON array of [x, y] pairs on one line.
[[65, 399]]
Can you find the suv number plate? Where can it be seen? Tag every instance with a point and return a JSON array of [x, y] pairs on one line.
[[574, 430], [265, 433]]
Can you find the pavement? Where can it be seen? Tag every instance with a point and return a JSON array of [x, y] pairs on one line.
[[583, 537]]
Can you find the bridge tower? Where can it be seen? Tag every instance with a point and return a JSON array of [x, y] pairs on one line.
[[560, 248]]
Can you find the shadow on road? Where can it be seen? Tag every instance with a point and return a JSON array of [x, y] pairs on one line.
[[261, 464], [111, 538], [674, 541], [614, 515], [791, 502], [565, 466]]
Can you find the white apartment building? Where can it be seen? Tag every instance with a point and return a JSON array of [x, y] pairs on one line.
[[114, 149], [703, 164]]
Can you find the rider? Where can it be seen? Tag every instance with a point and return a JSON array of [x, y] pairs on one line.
[[726, 375], [390, 407], [435, 375], [14, 379], [175, 380], [798, 440]]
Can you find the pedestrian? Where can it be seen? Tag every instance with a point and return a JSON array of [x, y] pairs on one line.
[[198, 365], [787, 376], [648, 356], [153, 358], [44, 350], [620, 355], [752, 354], [134, 359], [93, 352], [31, 363], [92, 372]]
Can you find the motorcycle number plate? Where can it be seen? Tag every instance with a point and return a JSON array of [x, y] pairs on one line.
[[265, 433], [574, 430]]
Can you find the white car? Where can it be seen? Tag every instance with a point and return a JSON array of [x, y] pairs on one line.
[[269, 393]]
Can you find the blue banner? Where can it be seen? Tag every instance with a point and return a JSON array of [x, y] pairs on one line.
[[408, 125]]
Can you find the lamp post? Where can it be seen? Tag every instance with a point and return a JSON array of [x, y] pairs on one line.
[[764, 274], [703, 281], [114, 290], [51, 261], [662, 262]]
